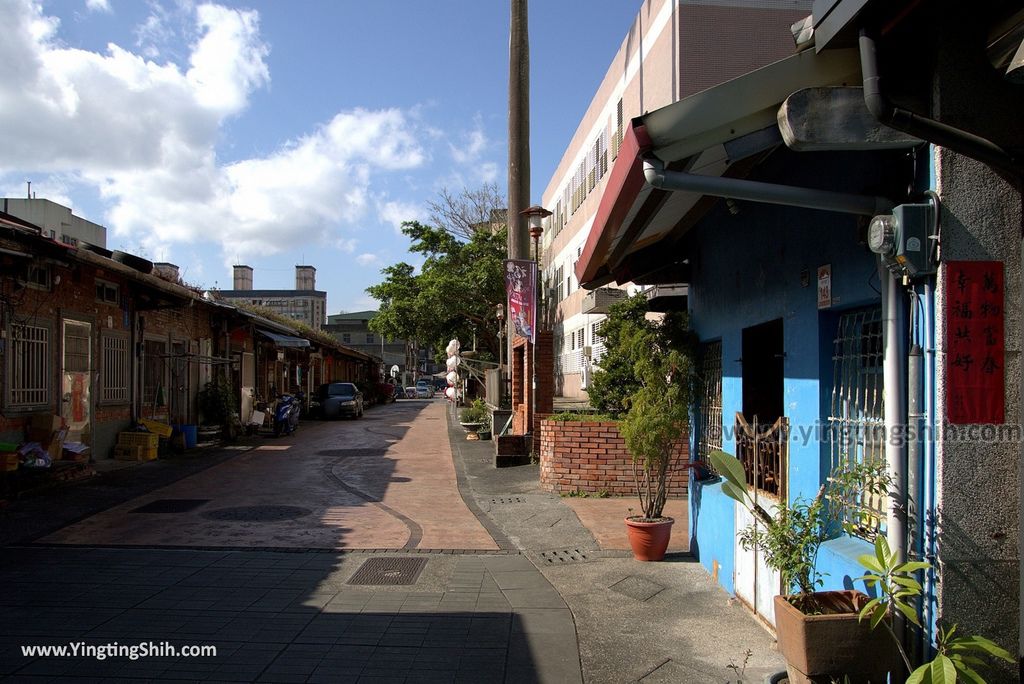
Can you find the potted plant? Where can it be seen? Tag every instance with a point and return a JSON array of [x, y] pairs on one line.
[[475, 418], [657, 411], [818, 632]]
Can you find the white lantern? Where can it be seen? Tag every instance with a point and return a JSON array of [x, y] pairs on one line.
[[450, 393], [453, 347], [452, 378], [453, 362]]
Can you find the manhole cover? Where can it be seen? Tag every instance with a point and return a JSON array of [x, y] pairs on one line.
[[564, 556], [170, 506], [384, 571], [258, 513], [637, 588]]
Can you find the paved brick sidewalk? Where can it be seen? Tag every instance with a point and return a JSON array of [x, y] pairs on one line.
[[283, 617]]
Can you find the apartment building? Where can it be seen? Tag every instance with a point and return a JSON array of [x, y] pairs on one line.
[[673, 49], [56, 221], [305, 303]]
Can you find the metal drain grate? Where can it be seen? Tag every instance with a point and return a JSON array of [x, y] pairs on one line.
[[386, 571], [170, 506], [565, 556], [508, 500], [258, 513]]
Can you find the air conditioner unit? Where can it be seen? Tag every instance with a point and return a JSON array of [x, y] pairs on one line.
[[599, 300]]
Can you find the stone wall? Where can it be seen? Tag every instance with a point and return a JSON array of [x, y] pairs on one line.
[[591, 456]]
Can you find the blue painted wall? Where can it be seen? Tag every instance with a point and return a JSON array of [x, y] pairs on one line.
[[760, 265]]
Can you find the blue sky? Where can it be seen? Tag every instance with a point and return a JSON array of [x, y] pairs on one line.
[[282, 132]]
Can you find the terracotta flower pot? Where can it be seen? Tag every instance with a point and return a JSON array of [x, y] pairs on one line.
[[834, 644], [649, 540]]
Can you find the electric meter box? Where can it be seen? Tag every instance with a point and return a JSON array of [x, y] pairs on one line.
[[915, 244]]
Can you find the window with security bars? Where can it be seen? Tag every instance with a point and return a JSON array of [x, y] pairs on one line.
[[115, 373], [710, 434], [856, 418], [29, 366]]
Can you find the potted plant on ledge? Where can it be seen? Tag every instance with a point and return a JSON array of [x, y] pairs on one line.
[[657, 415], [819, 633], [475, 419]]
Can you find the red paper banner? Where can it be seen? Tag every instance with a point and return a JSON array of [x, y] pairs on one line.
[[521, 286], [975, 345]]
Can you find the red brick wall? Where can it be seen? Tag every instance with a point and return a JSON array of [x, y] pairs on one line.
[[592, 457], [522, 379]]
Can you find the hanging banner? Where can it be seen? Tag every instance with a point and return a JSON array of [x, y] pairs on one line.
[[521, 287], [975, 344]]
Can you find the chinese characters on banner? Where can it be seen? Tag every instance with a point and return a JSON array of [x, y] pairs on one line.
[[975, 347], [521, 287]]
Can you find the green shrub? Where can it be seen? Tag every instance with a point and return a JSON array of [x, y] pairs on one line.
[[476, 412], [217, 402], [574, 417]]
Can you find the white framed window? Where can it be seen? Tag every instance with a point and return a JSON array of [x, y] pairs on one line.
[[28, 366], [115, 374]]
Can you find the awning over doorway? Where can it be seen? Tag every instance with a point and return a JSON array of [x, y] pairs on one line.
[[709, 133], [284, 340]]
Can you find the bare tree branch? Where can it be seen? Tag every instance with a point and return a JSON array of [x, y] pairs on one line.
[[469, 211]]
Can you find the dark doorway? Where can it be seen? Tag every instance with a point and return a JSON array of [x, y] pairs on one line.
[[763, 372]]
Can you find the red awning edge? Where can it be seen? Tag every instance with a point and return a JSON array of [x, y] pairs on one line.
[[624, 185]]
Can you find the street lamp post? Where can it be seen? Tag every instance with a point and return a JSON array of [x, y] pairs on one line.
[[536, 215]]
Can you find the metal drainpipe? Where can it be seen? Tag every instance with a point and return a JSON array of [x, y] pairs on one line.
[[895, 423], [958, 140], [768, 193]]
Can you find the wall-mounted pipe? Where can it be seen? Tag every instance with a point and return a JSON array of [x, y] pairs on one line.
[[769, 193], [936, 132], [895, 413]]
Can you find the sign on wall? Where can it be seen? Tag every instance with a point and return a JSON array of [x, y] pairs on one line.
[[825, 286], [521, 287], [975, 345]]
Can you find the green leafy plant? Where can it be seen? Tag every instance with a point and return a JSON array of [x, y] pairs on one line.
[[897, 586], [660, 353], [217, 402], [791, 537], [740, 669], [476, 412], [572, 417]]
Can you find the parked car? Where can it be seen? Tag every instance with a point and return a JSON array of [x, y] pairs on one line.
[[339, 399], [410, 392], [424, 390]]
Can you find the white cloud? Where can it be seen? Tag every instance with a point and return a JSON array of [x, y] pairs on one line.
[[395, 212], [144, 135], [97, 5], [472, 146], [367, 259], [346, 245]]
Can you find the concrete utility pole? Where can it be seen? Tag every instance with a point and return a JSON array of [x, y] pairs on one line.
[[518, 131]]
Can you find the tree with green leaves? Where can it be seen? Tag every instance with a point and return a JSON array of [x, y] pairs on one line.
[[454, 294]]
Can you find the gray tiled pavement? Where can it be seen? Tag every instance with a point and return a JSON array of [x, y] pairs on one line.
[[282, 617]]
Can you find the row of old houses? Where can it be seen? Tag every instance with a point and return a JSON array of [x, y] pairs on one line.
[[832, 190], [105, 339]]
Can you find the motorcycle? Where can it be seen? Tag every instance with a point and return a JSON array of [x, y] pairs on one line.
[[286, 415]]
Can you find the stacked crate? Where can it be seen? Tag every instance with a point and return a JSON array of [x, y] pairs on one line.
[[136, 446]]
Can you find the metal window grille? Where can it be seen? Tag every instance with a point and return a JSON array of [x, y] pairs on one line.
[[30, 367], [764, 452], [115, 369], [710, 435], [857, 413], [77, 347]]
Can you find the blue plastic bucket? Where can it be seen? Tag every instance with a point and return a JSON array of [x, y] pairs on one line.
[[190, 433]]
